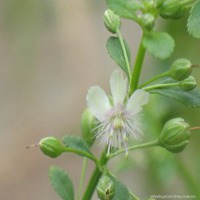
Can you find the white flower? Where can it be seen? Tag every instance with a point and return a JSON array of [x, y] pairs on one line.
[[119, 118]]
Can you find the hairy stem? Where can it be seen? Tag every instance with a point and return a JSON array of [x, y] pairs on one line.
[[85, 161], [125, 54], [190, 183], [95, 177], [139, 146], [133, 196], [137, 68], [158, 86], [155, 78]]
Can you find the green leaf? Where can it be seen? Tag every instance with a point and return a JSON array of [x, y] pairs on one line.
[[125, 8], [194, 20], [77, 145], [187, 98], [116, 53], [61, 183], [121, 191], [160, 44]]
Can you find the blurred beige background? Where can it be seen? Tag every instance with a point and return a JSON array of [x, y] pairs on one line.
[[51, 52]]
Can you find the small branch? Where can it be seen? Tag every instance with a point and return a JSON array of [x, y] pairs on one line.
[[158, 86], [195, 128], [155, 78], [139, 146], [124, 53]]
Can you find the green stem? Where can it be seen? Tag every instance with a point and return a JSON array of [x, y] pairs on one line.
[[125, 54], [139, 146], [85, 161], [158, 86], [155, 78], [95, 177], [134, 196], [191, 184], [91, 157], [137, 68]]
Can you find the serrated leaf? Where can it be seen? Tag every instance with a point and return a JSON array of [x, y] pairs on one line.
[[194, 20], [61, 183], [160, 44], [187, 98], [123, 8], [116, 53], [121, 191], [78, 146]]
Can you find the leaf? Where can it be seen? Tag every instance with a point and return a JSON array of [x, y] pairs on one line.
[[187, 98], [194, 20], [123, 8], [121, 191], [61, 183], [160, 44], [77, 145], [116, 53]]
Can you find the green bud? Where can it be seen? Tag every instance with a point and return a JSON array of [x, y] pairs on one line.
[[148, 5], [175, 135], [181, 69], [148, 21], [174, 9], [111, 21], [51, 147], [188, 84], [105, 188], [159, 3], [88, 123]]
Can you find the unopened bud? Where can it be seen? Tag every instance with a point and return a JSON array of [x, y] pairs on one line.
[[51, 147], [111, 21], [181, 69], [188, 84], [175, 135], [174, 9], [148, 21], [105, 188], [148, 4], [159, 3], [88, 123]]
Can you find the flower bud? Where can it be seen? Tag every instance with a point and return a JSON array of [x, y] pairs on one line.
[[88, 123], [148, 21], [188, 84], [181, 69], [51, 147], [175, 135], [159, 3], [174, 9], [111, 21], [148, 4], [105, 188]]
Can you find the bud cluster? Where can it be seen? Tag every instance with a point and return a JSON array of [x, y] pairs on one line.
[[173, 9], [147, 21], [180, 71]]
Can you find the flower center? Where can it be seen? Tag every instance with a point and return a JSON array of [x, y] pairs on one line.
[[118, 122]]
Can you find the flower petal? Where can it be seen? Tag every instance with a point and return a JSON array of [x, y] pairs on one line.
[[98, 102], [118, 86], [136, 101]]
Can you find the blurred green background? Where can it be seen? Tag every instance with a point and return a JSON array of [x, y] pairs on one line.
[[51, 52]]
